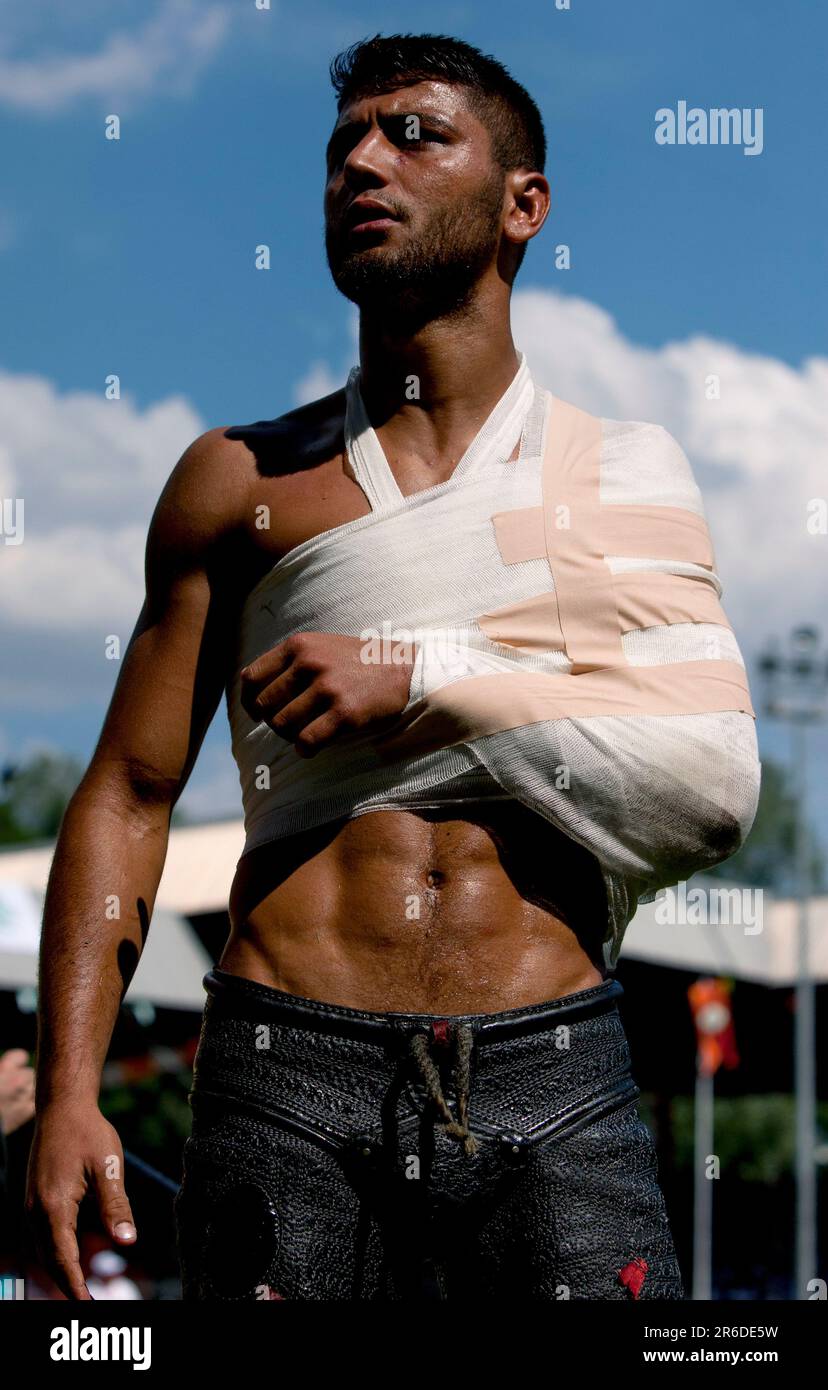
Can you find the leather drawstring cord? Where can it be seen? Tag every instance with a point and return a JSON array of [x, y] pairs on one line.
[[463, 1039]]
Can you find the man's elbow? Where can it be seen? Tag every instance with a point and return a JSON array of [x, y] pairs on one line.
[[137, 793]]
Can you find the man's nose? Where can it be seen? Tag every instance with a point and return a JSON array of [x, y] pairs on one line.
[[369, 161]]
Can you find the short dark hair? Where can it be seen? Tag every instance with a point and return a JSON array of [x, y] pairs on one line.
[[505, 107]]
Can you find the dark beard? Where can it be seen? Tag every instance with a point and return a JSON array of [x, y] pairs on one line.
[[431, 278]]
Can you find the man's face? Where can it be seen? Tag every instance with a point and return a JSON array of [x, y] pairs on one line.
[[419, 155]]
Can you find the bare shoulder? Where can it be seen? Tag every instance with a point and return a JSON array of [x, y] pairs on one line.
[[211, 494], [204, 494], [208, 488]]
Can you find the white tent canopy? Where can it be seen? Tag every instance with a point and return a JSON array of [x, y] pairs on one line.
[[714, 933], [732, 946], [201, 861], [169, 974]]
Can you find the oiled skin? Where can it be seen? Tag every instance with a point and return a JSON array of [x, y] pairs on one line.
[[510, 912], [438, 911], [476, 908]]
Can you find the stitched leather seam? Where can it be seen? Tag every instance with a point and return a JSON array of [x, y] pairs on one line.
[[583, 1114], [333, 1138], [324, 1017], [327, 1135]]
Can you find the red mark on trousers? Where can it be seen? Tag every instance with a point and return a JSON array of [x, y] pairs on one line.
[[440, 1029], [633, 1275]]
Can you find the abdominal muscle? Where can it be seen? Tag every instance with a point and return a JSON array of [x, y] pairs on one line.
[[429, 911]]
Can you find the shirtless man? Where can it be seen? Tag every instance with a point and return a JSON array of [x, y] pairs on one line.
[[426, 225]]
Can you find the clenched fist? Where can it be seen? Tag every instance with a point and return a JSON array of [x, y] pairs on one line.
[[316, 686]]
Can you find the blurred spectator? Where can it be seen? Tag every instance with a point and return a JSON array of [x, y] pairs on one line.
[[107, 1277], [16, 1100], [16, 1089]]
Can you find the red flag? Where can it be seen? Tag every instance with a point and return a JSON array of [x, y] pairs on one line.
[[713, 1017]]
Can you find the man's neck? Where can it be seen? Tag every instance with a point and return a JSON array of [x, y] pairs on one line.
[[428, 393]]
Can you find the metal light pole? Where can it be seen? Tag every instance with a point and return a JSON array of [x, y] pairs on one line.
[[796, 689], [703, 1112]]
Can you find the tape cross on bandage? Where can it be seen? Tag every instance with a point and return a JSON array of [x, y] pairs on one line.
[[575, 532], [587, 610]]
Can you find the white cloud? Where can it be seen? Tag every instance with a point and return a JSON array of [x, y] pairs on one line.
[[759, 452], [214, 790], [75, 577], [166, 52], [319, 380], [89, 472]]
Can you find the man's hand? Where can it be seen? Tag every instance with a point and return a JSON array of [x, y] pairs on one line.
[[315, 686], [74, 1148], [16, 1089]]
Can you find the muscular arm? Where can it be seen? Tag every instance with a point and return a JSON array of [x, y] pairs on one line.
[[113, 841]]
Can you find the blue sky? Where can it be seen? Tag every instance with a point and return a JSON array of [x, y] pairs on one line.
[[137, 257], [137, 253]]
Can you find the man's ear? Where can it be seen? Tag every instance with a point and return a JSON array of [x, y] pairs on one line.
[[528, 201]]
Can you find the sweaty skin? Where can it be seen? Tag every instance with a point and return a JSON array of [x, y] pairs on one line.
[[511, 912]]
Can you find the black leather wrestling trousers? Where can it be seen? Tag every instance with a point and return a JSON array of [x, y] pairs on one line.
[[337, 1154]]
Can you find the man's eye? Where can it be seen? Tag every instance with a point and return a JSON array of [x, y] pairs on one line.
[[410, 130], [425, 137]]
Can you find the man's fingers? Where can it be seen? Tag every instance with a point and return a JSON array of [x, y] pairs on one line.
[[114, 1209], [113, 1204], [318, 734], [289, 721], [312, 720], [260, 696], [67, 1260], [57, 1246], [268, 665], [263, 701]]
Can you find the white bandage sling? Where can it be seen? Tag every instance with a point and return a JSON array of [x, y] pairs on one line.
[[572, 650]]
